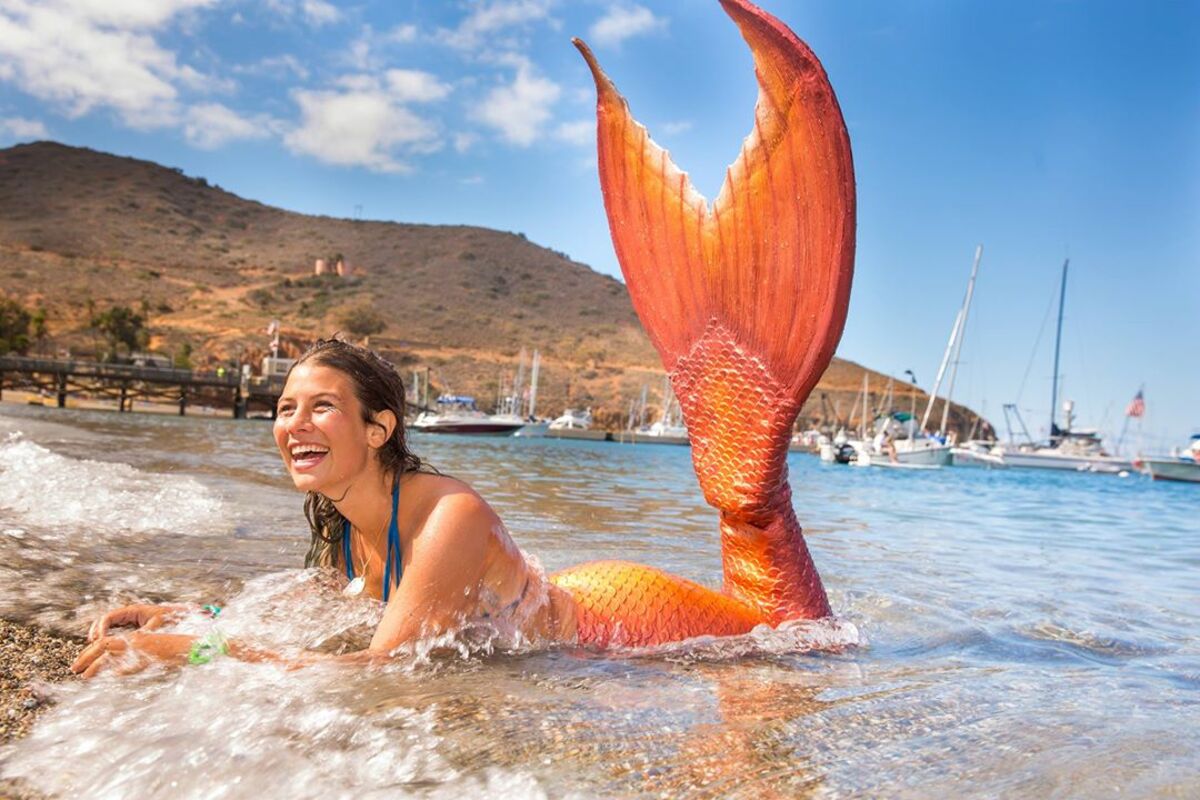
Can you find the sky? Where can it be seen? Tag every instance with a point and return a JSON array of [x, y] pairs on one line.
[[1041, 130]]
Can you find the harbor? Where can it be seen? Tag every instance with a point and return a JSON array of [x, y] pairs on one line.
[[960, 619]]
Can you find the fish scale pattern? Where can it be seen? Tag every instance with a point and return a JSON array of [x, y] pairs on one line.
[[745, 300], [620, 604], [739, 419]]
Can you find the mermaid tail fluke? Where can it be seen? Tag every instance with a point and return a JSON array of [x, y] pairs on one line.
[[745, 301]]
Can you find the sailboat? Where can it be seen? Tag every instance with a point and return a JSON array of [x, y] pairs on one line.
[[669, 427], [917, 448], [1069, 448]]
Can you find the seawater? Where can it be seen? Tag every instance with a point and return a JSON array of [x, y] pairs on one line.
[[1014, 633]]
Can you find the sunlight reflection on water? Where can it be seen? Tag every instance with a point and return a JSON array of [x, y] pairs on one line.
[[1019, 633]]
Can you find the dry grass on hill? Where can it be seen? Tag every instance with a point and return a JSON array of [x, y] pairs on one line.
[[82, 230]]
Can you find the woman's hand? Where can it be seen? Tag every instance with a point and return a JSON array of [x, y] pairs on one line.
[[132, 652], [143, 617]]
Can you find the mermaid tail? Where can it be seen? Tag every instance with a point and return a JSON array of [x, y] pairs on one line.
[[745, 303]]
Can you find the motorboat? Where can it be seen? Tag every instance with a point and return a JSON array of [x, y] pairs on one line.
[[838, 450], [575, 424], [459, 414], [977, 453], [1075, 449], [1183, 466]]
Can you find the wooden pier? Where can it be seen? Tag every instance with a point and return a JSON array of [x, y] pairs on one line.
[[240, 392]]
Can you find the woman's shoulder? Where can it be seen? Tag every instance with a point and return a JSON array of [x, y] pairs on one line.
[[443, 497]]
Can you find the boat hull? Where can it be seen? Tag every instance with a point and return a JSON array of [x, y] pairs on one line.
[[1103, 464], [924, 456], [966, 457], [481, 428], [585, 434], [1167, 469]]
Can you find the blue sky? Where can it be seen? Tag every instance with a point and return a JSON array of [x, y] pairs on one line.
[[1040, 129]]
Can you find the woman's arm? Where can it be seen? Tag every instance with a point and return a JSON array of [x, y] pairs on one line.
[[451, 555]]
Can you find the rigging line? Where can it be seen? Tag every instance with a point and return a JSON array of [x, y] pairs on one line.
[[1037, 342]]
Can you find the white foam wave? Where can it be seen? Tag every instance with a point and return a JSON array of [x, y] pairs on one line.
[[45, 489], [227, 730], [829, 635]]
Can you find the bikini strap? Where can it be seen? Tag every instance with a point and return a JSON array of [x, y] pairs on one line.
[[346, 549], [394, 554]]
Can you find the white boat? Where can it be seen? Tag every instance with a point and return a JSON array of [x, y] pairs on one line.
[[1182, 467], [898, 440], [1076, 449], [520, 405], [575, 424], [458, 414], [977, 453], [923, 450], [867, 459], [667, 429], [1079, 450]]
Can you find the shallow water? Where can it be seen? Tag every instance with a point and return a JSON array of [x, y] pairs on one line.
[[1014, 633]]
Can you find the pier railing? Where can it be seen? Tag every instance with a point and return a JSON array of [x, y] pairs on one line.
[[126, 382]]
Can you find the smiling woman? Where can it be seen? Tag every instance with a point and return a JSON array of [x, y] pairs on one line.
[[424, 543]]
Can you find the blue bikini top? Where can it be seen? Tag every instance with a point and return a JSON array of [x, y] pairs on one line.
[[393, 547]]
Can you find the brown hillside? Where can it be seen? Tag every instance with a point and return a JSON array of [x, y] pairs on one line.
[[82, 230]]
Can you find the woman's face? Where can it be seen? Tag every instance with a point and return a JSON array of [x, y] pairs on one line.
[[320, 431]]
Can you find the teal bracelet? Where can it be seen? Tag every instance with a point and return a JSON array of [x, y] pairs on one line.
[[207, 648], [211, 610]]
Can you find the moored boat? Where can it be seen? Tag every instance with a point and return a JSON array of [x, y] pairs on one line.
[[575, 424], [458, 414], [1183, 467]]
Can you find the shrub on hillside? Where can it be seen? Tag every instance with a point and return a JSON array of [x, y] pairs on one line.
[[14, 327]]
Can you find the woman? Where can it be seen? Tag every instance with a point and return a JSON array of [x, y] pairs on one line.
[[424, 543], [744, 301]]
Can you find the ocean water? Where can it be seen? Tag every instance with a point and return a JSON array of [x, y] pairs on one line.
[[1000, 633]]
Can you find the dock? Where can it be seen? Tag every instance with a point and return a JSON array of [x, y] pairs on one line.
[[240, 392]]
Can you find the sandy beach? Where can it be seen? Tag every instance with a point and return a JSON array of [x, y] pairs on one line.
[[29, 658]]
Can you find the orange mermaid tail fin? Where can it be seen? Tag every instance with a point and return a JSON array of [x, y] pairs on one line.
[[745, 301]]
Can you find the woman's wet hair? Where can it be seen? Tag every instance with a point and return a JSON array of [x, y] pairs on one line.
[[377, 387]]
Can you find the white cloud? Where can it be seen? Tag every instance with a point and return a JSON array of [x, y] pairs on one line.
[[622, 22], [580, 132], [490, 18], [318, 12], [275, 66], [210, 125], [123, 13], [471, 180], [364, 121], [518, 110], [80, 55], [414, 85], [315, 12], [677, 127], [464, 142], [21, 129], [402, 34], [368, 51]]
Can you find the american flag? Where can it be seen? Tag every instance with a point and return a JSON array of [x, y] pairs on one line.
[[1137, 406]]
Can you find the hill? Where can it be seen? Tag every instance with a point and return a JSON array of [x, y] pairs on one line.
[[82, 231]]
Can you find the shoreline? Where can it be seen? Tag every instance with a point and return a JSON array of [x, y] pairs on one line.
[[30, 657], [22, 397]]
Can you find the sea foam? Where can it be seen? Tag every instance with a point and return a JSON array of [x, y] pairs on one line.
[[39, 487]]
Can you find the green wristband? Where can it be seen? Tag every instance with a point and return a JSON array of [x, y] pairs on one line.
[[207, 648]]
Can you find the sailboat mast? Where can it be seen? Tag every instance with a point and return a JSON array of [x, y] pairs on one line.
[[1062, 298], [533, 383], [962, 334]]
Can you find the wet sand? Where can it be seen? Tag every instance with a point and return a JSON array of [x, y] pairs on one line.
[[29, 658]]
